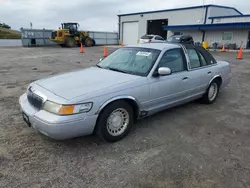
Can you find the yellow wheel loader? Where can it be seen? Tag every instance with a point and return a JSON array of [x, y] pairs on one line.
[[69, 36]]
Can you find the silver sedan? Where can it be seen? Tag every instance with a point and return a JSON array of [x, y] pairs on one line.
[[131, 83]]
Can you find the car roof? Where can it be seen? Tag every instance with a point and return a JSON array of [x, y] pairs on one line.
[[157, 46], [151, 35], [181, 36], [176, 35]]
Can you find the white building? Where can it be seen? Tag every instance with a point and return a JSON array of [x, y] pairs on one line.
[[211, 23]]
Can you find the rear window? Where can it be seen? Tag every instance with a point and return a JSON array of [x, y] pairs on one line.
[[146, 37]]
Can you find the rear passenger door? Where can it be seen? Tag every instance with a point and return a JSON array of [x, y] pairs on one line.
[[200, 72]]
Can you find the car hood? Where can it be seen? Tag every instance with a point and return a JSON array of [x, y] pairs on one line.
[[78, 83]]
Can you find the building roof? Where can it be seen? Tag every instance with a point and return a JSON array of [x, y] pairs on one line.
[[231, 16], [236, 25], [183, 8], [157, 46]]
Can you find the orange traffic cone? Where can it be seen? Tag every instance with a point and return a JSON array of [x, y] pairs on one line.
[[240, 54], [81, 49], [223, 49], [122, 43], [105, 51]]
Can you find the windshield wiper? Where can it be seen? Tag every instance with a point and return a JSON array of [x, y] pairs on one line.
[[117, 70]]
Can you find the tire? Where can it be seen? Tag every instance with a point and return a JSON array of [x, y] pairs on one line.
[[110, 126], [212, 92], [70, 42], [93, 42], [88, 42]]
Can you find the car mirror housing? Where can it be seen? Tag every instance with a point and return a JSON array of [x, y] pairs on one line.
[[163, 71]]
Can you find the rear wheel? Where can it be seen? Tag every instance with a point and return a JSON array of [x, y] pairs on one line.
[[212, 92], [88, 42], [115, 121], [93, 42]]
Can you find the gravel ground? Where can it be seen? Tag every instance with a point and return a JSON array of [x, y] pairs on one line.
[[193, 145]]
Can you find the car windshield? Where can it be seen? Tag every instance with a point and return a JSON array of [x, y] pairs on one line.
[[174, 39], [131, 60], [147, 37]]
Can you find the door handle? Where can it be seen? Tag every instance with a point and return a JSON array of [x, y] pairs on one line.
[[209, 72], [185, 78]]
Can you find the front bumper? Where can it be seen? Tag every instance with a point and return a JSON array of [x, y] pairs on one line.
[[58, 127]]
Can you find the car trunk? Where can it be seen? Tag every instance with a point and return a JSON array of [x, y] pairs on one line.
[[146, 39]]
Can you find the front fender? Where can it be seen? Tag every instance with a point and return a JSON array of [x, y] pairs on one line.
[[115, 99]]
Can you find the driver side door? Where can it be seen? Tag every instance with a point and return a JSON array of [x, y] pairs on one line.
[[169, 90]]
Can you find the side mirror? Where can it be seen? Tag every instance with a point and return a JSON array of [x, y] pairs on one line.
[[163, 71]]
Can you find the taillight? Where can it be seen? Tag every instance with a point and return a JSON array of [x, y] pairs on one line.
[[150, 40]]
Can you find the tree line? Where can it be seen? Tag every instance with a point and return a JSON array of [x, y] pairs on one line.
[[4, 25]]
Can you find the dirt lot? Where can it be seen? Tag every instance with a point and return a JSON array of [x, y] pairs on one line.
[[193, 145]]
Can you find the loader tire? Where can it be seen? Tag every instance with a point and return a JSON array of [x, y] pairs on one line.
[[88, 42], [70, 42]]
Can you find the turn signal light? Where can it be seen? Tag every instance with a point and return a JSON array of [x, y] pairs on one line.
[[66, 110]]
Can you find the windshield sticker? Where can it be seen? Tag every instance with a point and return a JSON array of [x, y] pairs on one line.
[[143, 53]]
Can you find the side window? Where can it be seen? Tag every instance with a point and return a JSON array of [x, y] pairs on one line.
[[158, 38], [194, 58], [202, 59], [161, 38], [206, 55], [174, 60]]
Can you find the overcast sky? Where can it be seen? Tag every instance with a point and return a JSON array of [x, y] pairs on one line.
[[95, 15]]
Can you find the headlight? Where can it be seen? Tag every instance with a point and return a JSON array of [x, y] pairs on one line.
[[67, 109]]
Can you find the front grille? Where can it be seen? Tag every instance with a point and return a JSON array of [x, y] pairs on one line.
[[60, 34], [34, 99]]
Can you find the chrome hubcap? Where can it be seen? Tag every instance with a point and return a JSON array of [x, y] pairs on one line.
[[117, 122], [212, 92]]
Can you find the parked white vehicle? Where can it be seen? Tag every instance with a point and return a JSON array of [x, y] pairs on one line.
[[151, 39]]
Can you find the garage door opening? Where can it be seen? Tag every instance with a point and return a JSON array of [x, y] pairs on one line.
[[155, 27]]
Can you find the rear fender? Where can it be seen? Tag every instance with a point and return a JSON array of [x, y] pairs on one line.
[[216, 76]]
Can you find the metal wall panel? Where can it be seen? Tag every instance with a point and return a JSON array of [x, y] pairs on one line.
[[39, 42], [232, 20], [41, 37], [178, 17], [104, 38], [218, 11], [239, 36]]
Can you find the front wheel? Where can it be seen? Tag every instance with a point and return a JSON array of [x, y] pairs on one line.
[[115, 121], [70, 42], [212, 92]]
